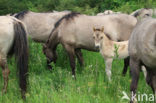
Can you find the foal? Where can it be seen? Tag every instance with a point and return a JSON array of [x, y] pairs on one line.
[[109, 49]]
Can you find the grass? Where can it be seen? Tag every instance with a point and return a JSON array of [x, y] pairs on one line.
[[58, 86]]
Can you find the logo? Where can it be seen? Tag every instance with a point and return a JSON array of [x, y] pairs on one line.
[[125, 96], [138, 97]]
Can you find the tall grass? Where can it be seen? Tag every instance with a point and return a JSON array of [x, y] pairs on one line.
[[58, 86]]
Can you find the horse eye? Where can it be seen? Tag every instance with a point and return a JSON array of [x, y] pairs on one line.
[[147, 14]]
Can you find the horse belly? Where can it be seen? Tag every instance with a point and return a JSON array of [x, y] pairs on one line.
[[86, 43], [148, 57], [84, 38], [149, 61]]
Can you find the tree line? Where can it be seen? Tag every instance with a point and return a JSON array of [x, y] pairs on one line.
[[83, 6]]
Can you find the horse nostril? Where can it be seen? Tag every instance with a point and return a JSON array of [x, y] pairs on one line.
[[97, 47]]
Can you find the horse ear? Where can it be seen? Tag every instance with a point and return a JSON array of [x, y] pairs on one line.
[[94, 29], [102, 29]]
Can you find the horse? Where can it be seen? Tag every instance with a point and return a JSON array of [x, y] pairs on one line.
[[111, 50], [142, 51], [13, 40], [39, 25], [144, 12], [74, 32], [107, 48], [108, 12]]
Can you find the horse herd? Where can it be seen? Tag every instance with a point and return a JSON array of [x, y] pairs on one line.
[[134, 40]]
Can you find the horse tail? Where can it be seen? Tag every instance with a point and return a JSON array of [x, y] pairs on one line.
[[58, 23], [21, 53]]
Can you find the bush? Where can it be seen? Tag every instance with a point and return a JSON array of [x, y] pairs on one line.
[[83, 6]]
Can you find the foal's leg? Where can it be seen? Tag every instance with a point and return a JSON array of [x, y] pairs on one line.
[[79, 56], [135, 70], [71, 52], [108, 67], [5, 73], [126, 64]]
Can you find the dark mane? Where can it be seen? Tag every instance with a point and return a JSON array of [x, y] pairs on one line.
[[137, 13], [20, 15], [67, 17], [108, 36]]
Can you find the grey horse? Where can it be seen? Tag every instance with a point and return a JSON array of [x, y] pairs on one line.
[[144, 12], [74, 32], [40, 25], [142, 51]]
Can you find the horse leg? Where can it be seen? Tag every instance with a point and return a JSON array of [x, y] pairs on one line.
[[126, 64], [151, 79], [154, 84], [79, 56], [135, 70], [108, 66], [48, 65], [144, 71], [71, 53], [5, 73]]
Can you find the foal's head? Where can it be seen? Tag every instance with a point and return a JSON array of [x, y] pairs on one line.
[[98, 35]]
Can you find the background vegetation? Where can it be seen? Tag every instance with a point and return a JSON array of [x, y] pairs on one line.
[[58, 86], [82, 6]]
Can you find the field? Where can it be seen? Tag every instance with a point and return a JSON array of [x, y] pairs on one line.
[[58, 86]]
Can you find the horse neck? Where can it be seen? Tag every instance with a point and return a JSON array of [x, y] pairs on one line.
[[106, 40], [106, 43]]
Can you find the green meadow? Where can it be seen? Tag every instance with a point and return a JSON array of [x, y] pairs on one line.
[[58, 86]]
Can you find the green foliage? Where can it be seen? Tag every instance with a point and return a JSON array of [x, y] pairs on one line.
[[83, 6], [58, 86], [116, 47]]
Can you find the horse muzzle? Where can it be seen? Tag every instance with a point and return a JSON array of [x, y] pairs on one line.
[[97, 47]]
